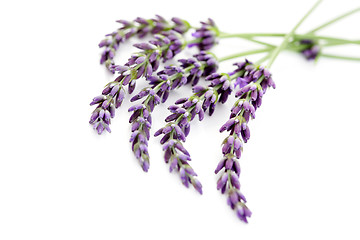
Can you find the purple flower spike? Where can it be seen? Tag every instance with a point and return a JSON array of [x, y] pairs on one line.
[[206, 35], [143, 64], [257, 80], [203, 65], [139, 27], [311, 49], [174, 150], [173, 134], [106, 105]]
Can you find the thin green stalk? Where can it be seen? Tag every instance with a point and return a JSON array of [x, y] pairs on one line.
[[285, 42], [260, 42], [340, 57], [261, 60], [334, 20], [197, 40], [246, 37], [332, 39], [297, 36], [249, 35], [330, 44], [246, 53]]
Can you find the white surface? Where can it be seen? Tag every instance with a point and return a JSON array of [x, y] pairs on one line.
[[59, 180]]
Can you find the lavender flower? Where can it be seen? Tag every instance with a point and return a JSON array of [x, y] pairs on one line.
[[141, 124], [206, 35], [178, 128], [165, 46], [177, 156], [166, 80], [310, 50], [199, 69], [250, 96], [139, 27]]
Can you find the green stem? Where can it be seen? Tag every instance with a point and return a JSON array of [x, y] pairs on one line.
[[334, 43], [197, 40], [339, 57], [241, 54], [250, 35], [256, 51], [332, 39], [259, 42], [334, 20], [285, 42], [245, 37], [261, 60], [297, 36]]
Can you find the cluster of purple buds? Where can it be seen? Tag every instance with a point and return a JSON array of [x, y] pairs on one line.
[[202, 65], [176, 155], [141, 117], [175, 132], [111, 98], [165, 46], [209, 97], [169, 78], [206, 35], [178, 128], [141, 124], [250, 96], [141, 64], [311, 50], [182, 115], [224, 80], [220, 87], [139, 27], [204, 98], [229, 182], [178, 158], [170, 43]]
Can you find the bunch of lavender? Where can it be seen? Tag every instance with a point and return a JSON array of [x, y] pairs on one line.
[[165, 46], [250, 96], [252, 79], [140, 27], [166, 80]]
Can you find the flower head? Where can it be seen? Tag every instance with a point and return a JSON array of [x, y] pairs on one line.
[[206, 35], [139, 27], [311, 49], [142, 64], [253, 81]]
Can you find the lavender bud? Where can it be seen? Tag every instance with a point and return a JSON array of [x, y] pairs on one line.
[[222, 181]]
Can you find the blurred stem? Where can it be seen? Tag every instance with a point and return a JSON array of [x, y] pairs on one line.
[[261, 60], [246, 53], [334, 20], [296, 36], [340, 57]]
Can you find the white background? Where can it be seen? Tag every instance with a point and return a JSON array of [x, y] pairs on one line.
[[60, 180]]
